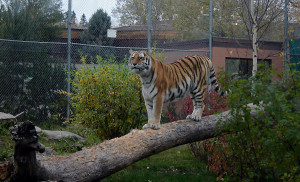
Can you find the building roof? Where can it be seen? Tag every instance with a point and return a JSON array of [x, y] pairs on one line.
[[223, 42], [159, 26]]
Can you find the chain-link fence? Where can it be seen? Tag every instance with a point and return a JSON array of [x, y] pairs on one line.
[[31, 72]]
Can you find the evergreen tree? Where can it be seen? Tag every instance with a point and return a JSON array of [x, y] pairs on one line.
[[29, 73], [97, 29], [73, 18], [83, 21]]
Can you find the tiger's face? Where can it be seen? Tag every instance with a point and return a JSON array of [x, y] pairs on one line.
[[139, 62]]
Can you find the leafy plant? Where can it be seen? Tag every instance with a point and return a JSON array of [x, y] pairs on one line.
[[6, 144], [260, 148], [107, 97], [264, 147], [213, 152]]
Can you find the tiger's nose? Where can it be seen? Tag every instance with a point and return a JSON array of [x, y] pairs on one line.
[[134, 64]]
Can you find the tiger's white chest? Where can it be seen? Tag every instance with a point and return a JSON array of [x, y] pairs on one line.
[[149, 93], [149, 90]]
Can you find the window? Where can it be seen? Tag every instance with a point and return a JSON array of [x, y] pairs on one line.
[[242, 67]]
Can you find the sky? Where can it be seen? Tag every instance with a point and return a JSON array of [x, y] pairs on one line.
[[89, 7]]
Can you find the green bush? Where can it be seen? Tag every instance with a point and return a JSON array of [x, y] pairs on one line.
[[107, 97], [265, 147]]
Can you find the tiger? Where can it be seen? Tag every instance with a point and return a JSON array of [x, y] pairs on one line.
[[170, 82]]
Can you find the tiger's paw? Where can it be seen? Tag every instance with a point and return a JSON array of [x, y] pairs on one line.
[[195, 118], [152, 126]]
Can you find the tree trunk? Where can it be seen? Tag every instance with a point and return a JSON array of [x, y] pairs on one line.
[[254, 39], [102, 160]]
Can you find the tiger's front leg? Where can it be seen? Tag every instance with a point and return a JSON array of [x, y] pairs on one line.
[[154, 110]]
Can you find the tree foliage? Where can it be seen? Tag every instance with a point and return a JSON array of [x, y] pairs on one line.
[[136, 11], [30, 20], [83, 21], [190, 17], [96, 32], [193, 19]]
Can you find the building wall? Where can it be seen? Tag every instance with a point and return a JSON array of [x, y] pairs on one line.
[[75, 35], [172, 56], [219, 55]]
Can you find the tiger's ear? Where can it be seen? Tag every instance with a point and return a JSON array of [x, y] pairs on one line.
[[130, 51]]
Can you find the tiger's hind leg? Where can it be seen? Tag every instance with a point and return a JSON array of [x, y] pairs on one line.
[[197, 98]]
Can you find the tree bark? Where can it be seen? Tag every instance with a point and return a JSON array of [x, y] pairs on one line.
[[102, 160], [254, 39]]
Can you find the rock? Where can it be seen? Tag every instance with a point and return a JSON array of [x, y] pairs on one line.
[[38, 130], [49, 151], [5, 116], [57, 135]]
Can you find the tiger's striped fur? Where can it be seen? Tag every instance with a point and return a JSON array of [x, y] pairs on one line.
[[170, 82]]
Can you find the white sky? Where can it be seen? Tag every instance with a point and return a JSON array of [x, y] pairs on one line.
[[89, 7]]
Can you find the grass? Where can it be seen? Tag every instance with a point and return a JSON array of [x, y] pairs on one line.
[[176, 164], [62, 147]]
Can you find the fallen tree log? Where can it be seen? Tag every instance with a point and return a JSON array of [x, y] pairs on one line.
[[113, 155], [102, 160]]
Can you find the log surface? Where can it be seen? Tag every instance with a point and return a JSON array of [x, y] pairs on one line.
[[102, 160]]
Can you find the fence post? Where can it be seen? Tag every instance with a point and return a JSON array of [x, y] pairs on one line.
[[69, 59], [149, 25], [285, 68], [210, 27]]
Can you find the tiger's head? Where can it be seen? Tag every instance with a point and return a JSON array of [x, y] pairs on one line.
[[139, 62]]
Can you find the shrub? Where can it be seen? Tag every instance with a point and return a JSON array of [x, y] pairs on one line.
[[265, 147], [260, 148], [108, 97]]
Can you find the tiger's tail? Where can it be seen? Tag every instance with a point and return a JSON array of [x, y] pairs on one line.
[[212, 81]]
